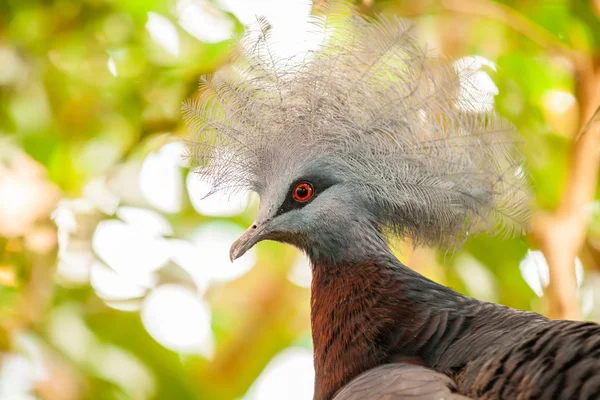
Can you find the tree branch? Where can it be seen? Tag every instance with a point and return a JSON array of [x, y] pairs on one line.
[[559, 234], [512, 18], [503, 14]]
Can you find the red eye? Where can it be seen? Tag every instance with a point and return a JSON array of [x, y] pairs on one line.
[[303, 192]]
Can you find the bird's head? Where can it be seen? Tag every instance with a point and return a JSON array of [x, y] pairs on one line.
[[366, 135], [316, 207]]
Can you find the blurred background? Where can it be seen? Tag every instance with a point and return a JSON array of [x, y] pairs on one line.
[[115, 281]]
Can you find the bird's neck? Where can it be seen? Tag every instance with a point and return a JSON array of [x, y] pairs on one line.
[[364, 315]]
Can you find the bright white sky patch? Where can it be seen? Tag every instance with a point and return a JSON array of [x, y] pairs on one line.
[[178, 319], [22, 370], [97, 193], [213, 241], [74, 266], [288, 14], [300, 274], [289, 375], [477, 62], [477, 90], [112, 66], [163, 32], [148, 221], [558, 101], [73, 261], [16, 378], [217, 204], [129, 305], [190, 258], [64, 216], [129, 250], [291, 34], [203, 21], [160, 178], [534, 270], [112, 286]]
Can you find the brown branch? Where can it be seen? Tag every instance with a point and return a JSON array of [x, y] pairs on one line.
[[501, 13], [515, 20], [559, 234]]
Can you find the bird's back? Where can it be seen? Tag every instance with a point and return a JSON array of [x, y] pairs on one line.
[[552, 360], [501, 354]]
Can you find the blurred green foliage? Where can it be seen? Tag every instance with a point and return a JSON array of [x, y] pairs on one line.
[[87, 94]]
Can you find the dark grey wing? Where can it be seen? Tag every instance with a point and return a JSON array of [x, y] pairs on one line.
[[400, 381], [557, 360]]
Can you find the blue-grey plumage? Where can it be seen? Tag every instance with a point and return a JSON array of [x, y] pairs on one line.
[[368, 136], [369, 109]]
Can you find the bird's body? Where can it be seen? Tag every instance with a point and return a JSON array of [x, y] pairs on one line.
[[365, 137], [383, 313]]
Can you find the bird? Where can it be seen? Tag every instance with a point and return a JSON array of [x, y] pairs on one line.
[[366, 137]]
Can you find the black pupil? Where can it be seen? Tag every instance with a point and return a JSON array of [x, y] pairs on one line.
[[301, 192]]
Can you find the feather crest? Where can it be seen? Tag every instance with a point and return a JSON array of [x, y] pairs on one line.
[[401, 123]]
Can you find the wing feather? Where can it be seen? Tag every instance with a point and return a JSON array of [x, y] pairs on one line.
[[400, 381]]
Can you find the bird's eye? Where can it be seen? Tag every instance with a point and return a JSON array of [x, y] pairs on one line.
[[303, 192]]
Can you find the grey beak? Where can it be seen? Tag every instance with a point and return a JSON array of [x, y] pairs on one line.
[[253, 235]]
